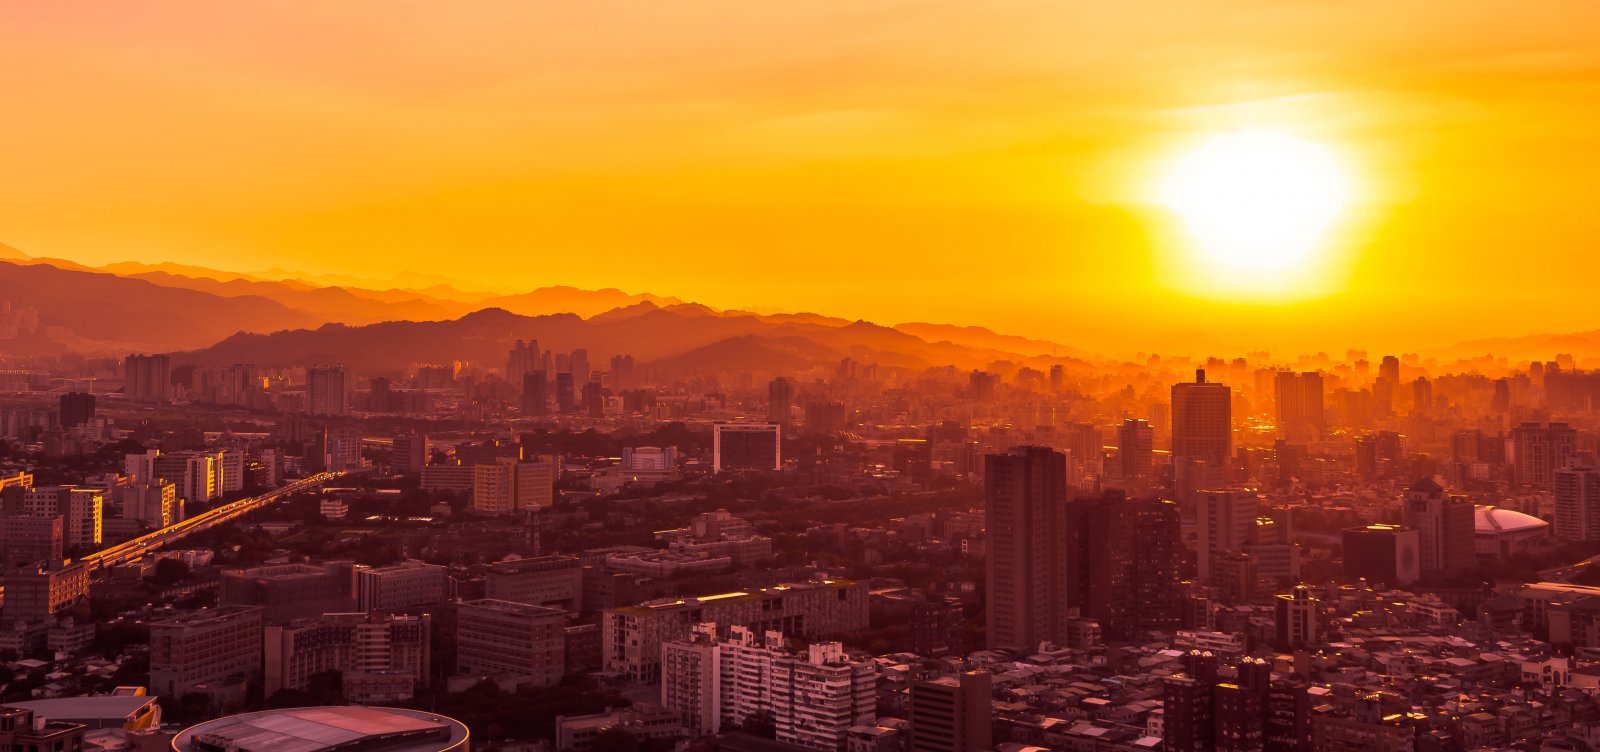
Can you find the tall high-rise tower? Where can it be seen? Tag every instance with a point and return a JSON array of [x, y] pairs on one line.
[[1446, 526], [1025, 491], [327, 390], [780, 401], [1202, 434], [1300, 404]]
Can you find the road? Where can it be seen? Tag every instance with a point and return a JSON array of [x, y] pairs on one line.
[[144, 544]]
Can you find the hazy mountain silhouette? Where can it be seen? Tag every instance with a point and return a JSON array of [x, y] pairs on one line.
[[101, 313], [681, 340]]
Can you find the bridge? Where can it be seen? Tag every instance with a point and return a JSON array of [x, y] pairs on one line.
[[129, 550]]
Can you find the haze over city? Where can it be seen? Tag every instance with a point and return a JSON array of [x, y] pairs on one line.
[[874, 376]]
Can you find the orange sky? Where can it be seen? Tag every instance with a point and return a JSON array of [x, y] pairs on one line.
[[960, 162]]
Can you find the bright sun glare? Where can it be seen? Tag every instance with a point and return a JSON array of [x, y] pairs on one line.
[[1257, 200]]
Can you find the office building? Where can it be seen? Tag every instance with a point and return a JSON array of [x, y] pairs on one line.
[[1202, 423], [1538, 451], [739, 447], [80, 508], [286, 592], [825, 418], [1025, 491], [1202, 435], [632, 635], [206, 646], [1225, 521], [411, 453], [1445, 527], [1299, 405], [28, 540], [327, 390], [501, 637], [1298, 618], [1383, 554], [521, 361], [37, 593], [1122, 564], [1135, 451], [938, 628], [552, 581], [28, 729], [951, 713], [594, 399], [397, 587], [565, 399], [147, 378], [77, 409], [1577, 497], [195, 474], [535, 400], [508, 486], [780, 401], [380, 658]]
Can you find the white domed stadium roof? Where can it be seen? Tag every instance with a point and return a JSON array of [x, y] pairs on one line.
[[1492, 519]]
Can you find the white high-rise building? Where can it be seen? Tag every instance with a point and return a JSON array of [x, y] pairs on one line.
[[230, 470], [140, 468], [813, 696]]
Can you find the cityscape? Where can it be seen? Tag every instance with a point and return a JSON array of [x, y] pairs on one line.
[[719, 378]]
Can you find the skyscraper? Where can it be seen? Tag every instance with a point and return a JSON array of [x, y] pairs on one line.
[[522, 360], [1577, 492], [1298, 619], [148, 378], [1539, 450], [77, 409], [533, 394], [565, 399], [410, 453], [1445, 526], [952, 713], [746, 446], [780, 401], [327, 390], [1300, 404], [1224, 520], [579, 363], [1135, 450], [1025, 492], [1123, 563], [594, 400], [1202, 434]]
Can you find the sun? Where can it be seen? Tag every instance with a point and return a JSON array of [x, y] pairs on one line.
[[1257, 201]]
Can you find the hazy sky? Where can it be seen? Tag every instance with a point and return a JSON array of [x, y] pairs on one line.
[[987, 163]]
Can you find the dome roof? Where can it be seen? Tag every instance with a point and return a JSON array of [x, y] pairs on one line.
[[1491, 519]]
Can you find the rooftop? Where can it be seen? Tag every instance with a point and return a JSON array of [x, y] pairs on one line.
[[671, 604], [319, 729]]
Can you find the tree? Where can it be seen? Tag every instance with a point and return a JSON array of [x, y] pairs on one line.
[[170, 571]]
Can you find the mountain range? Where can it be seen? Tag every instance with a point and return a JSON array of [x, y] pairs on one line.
[[279, 318], [207, 316]]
